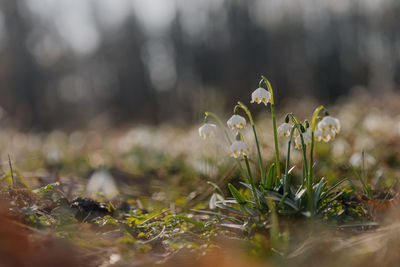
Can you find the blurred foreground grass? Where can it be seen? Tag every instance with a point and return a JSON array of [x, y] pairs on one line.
[[163, 175]]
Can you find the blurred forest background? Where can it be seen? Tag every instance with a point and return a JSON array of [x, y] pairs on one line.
[[73, 63]]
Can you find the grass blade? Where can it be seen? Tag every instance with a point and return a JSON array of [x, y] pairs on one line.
[[366, 187]]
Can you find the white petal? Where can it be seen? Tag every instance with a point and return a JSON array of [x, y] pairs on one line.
[[284, 129], [239, 149], [260, 95], [236, 122], [207, 130]]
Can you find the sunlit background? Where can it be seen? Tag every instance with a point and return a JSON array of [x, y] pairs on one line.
[[75, 63]]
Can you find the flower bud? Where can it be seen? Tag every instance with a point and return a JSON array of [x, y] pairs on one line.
[[287, 118]]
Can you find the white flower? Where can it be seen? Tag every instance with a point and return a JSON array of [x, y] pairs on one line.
[[329, 123], [297, 142], [358, 161], [207, 130], [260, 95], [306, 139], [102, 182], [325, 136], [284, 129], [236, 122], [239, 149]]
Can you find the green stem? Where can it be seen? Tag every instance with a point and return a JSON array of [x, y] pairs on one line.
[[247, 111], [253, 186], [228, 139], [303, 181], [304, 149], [274, 229], [285, 184], [297, 124], [310, 180], [278, 166], [207, 113], [246, 178], [259, 154]]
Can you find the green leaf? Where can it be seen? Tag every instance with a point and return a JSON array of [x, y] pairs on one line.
[[365, 185], [239, 198], [317, 193], [258, 192], [236, 194], [270, 177], [233, 226], [325, 194], [226, 207], [278, 197]]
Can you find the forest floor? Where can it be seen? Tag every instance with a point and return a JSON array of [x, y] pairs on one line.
[[144, 196]]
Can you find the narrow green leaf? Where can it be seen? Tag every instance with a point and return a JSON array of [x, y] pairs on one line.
[[335, 186], [278, 197], [236, 194], [270, 178], [226, 207], [365, 185], [233, 226], [317, 193]]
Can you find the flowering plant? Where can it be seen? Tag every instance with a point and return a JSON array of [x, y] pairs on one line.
[[274, 185]]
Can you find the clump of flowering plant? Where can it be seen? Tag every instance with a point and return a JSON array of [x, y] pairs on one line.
[[274, 186]]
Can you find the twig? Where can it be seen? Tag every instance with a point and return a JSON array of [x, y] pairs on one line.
[[84, 220]]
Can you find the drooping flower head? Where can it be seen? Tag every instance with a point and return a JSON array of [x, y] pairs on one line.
[[260, 95], [306, 139], [284, 129], [297, 142], [325, 136], [327, 129], [329, 123], [239, 149], [207, 130], [236, 122]]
